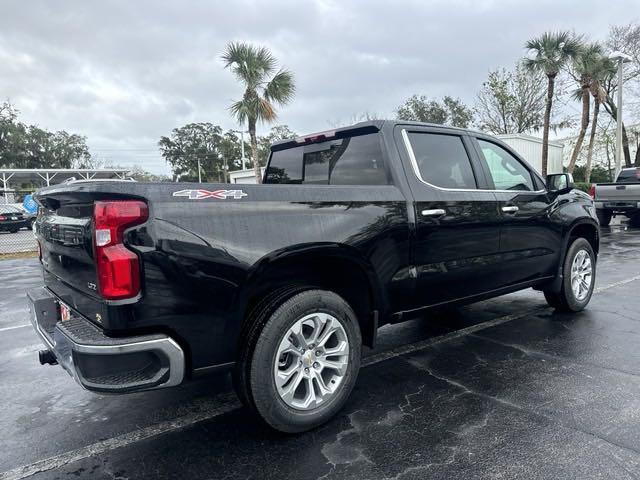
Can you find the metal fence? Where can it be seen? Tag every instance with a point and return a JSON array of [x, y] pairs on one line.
[[14, 241]]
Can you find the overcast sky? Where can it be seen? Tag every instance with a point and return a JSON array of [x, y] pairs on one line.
[[125, 73]]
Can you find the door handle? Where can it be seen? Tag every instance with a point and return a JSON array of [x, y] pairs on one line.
[[438, 212], [510, 209]]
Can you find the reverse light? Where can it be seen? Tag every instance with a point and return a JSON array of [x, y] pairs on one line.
[[592, 190], [117, 267]]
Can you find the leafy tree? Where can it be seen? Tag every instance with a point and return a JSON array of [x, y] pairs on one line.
[[511, 101], [450, 111], [190, 143], [255, 68], [551, 53], [231, 151], [141, 175], [29, 146], [277, 133]]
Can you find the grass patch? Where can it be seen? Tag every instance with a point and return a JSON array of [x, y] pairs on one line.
[[7, 256]]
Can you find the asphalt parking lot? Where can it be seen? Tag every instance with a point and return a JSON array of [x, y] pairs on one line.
[[502, 389]]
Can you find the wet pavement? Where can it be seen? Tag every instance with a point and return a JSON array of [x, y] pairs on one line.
[[505, 388]]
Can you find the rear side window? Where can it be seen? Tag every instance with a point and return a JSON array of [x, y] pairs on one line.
[[442, 160], [347, 161], [629, 176]]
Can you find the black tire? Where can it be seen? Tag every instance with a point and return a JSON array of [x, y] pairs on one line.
[[259, 356], [13, 230], [256, 319], [634, 220], [565, 300], [604, 217]]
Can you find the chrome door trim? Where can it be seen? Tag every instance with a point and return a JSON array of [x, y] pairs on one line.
[[416, 171]]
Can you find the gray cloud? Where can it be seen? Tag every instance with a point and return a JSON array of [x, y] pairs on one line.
[[125, 73]]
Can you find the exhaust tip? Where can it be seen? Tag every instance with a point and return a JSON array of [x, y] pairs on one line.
[[47, 357]]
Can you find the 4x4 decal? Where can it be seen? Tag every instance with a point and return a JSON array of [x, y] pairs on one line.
[[201, 194]]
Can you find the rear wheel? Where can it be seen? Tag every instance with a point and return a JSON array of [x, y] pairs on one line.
[[13, 230], [301, 360], [604, 217], [579, 274]]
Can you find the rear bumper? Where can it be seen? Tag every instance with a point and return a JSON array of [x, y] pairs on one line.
[[105, 364], [618, 205]]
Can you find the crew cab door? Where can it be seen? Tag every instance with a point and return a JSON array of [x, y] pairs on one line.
[[456, 221], [529, 240]]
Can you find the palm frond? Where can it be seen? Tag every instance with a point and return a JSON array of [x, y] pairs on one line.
[[253, 66], [248, 63], [266, 112], [240, 110], [281, 88], [576, 94], [551, 51]]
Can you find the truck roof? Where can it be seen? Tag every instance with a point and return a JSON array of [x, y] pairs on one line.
[[368, 126]]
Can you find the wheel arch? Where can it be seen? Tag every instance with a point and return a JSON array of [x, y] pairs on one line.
[[582, 228], [331, 266]]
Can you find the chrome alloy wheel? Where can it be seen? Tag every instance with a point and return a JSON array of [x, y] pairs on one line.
[[581, 275], [311, 361]]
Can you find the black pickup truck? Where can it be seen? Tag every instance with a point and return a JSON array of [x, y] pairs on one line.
[[148, 285]]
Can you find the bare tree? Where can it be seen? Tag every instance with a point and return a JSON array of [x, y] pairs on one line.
[[511, 101]]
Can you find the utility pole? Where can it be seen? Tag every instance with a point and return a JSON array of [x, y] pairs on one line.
[[243, 159], [620, 58], [199, 172]]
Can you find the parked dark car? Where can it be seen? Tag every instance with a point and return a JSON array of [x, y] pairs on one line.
[[12, 219], [30, 217], [150, 285]]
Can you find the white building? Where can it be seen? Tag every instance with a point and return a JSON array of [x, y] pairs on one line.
[[530, 148], [247, 175]]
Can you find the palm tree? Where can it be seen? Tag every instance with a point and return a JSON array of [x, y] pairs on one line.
[[255, 68], [552, 51], [605, 69], [585, 66]]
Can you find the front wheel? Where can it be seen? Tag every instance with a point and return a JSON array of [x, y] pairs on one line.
[[579, 275], [304, 361]]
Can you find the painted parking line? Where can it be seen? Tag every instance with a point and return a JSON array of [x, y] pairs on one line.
[[230, 403], [14, 327]]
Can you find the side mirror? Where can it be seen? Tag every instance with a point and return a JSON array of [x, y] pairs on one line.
[[560, 182]]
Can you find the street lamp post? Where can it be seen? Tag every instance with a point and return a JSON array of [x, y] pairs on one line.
[[620, 58], [243, 159]]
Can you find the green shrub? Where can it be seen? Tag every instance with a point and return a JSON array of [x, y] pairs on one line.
[[583, 186]]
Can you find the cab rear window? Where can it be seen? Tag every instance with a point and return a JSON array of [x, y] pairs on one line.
[[629, 176], [353, 160]]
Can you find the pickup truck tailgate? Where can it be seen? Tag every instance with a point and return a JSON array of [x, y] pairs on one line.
[[618, 192], [64, 234]]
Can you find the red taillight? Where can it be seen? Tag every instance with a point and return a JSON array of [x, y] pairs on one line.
[[2, 217], [592, 190], [117, 267]]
